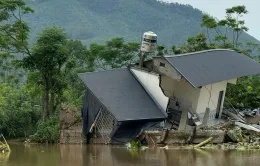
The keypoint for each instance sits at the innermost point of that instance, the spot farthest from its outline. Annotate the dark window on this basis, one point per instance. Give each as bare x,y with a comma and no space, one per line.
162,64
220,99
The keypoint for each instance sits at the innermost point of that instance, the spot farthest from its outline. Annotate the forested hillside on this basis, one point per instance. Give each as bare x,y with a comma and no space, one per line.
99,20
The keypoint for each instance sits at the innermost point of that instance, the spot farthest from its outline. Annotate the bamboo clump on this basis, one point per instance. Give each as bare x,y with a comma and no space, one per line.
4,147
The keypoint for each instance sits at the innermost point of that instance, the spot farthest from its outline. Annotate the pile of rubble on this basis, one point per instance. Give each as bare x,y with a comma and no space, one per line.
242,130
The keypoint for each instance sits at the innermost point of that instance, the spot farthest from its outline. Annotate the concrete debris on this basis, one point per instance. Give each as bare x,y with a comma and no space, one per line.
251,113
248,127
235,134
233,115
244,118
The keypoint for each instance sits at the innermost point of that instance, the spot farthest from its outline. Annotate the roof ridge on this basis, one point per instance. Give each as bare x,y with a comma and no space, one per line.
108,70
197,52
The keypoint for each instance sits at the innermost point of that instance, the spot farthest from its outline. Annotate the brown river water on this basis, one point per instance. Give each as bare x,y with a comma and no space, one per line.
87,155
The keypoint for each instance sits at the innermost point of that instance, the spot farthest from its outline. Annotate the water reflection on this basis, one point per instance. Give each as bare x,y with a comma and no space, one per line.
81,155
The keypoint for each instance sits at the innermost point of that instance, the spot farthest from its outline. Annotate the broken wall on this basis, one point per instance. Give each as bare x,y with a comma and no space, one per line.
180,89
163,67
209,96
151,84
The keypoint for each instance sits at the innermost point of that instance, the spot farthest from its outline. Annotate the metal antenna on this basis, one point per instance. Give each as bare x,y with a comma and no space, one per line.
141,54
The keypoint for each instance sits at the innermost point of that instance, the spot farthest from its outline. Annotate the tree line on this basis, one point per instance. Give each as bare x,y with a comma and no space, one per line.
36,78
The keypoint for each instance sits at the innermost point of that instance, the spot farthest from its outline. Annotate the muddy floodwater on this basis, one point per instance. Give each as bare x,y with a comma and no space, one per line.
86,155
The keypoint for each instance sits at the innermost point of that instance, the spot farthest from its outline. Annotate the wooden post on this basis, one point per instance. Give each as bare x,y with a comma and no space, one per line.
183,121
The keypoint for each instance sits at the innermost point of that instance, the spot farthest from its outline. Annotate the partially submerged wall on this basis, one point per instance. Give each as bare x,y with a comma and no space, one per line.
176,137
70,125
72,135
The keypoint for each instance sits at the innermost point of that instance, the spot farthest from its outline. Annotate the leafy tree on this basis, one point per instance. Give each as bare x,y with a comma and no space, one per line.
246,93
14,34
79,53
232,22
197,43
50,58
251,48
115,53
14,31
82,62
19,112
161,50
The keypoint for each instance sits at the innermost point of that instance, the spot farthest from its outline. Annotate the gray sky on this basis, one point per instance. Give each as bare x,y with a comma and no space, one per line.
217,8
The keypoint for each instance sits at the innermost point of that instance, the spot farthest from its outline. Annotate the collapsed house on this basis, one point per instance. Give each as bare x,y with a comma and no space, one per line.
117,107
168,92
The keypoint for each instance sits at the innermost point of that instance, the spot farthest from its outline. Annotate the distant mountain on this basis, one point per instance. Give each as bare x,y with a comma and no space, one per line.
99,20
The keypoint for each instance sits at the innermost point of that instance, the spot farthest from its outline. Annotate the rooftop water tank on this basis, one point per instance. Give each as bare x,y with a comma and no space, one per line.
149,42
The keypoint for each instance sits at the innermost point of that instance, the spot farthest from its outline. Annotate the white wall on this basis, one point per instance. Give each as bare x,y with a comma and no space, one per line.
199,98
151,83
209,95
167,70
180,89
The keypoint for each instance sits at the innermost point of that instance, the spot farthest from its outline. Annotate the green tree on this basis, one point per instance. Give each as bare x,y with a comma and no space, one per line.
232,23
115,53
19,112
14,31
246,93
14,34
197,43
79,53
161,50
50,58
82,62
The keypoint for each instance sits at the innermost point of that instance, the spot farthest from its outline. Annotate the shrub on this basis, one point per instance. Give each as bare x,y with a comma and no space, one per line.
19,113
47,131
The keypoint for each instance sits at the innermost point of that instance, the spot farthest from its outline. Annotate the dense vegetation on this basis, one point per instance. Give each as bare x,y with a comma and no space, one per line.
37,78
100,20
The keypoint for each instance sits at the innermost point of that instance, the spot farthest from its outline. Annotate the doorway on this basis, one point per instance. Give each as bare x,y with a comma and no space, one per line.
220,100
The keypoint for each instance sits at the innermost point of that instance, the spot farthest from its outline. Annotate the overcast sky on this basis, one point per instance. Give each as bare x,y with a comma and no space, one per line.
217,8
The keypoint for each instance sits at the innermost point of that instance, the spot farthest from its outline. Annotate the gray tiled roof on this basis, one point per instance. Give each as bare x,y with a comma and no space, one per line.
122,94
211,66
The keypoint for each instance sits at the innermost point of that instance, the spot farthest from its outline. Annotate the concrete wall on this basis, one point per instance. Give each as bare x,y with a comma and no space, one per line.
209,95
151,83
199,98
166,70
180,89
